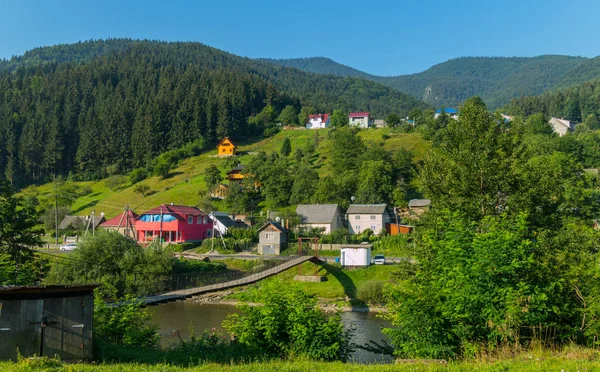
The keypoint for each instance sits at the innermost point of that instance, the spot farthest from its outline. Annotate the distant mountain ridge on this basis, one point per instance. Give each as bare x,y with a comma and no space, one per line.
496,79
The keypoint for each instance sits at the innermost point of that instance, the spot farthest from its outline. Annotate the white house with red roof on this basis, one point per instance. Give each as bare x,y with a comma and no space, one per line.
360,119
174,224
318,121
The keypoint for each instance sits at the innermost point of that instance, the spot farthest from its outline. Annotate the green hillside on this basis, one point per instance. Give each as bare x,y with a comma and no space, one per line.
90,109
495,79
188,178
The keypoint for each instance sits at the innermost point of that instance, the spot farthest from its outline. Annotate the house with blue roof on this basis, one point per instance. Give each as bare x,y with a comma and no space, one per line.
453,113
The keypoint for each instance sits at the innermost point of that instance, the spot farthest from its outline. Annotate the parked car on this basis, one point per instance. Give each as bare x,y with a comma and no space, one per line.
68,247
379,259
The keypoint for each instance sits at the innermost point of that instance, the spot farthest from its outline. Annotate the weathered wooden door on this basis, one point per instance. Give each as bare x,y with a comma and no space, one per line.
19,328
64,334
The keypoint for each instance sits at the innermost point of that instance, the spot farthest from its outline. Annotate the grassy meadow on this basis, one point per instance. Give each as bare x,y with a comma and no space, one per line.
571,359
185,180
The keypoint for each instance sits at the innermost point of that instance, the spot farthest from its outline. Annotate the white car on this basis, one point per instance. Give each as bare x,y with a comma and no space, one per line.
379,259
68,247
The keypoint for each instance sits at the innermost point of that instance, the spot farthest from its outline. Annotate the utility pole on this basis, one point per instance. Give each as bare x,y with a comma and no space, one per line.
161,222
93,225
55,210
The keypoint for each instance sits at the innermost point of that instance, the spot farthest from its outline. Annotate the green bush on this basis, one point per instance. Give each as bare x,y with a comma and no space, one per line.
138,175
371,292
289,324
118,263
126,324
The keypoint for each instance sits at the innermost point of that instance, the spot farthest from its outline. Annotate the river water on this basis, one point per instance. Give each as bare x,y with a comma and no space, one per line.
175,319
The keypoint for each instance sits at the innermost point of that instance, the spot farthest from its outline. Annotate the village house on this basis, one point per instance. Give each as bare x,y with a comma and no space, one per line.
418,206
81,223
123,223
320,216
379,123
453,113
226,148
361,217
318,121
272,237
220,192
360,119
236,174
222,223
561,126
176,223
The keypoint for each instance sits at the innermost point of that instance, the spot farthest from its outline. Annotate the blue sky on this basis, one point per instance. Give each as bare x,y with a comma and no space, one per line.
379,37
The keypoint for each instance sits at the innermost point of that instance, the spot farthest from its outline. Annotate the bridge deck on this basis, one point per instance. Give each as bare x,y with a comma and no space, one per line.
185,293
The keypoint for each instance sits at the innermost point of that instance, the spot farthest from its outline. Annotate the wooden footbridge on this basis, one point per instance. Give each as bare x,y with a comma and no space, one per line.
182,294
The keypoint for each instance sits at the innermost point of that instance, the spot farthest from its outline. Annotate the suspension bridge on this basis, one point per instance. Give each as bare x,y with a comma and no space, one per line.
182,294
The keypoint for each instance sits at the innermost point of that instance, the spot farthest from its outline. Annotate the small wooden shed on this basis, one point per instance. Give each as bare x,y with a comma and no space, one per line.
272,236
47,321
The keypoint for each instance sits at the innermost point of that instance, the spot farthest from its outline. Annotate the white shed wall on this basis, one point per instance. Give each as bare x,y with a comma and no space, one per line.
355,256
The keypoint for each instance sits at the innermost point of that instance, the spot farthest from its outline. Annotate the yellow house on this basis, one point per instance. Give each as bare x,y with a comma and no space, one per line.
226,147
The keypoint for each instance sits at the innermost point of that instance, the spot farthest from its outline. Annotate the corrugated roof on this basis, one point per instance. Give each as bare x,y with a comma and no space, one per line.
226,221
316,213
358,114
447,110
69,221
114,222
367,209
276,225
418,203
178,211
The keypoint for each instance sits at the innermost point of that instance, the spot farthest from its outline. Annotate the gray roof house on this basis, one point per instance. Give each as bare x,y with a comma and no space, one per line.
368,216
223,222
80,222
272,237
418,206
320,216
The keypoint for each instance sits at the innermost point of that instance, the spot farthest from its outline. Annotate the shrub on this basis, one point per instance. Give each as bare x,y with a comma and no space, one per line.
289,324
126,324
371,292
137,175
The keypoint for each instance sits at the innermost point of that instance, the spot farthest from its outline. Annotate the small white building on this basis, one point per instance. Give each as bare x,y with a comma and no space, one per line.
360,119
318,121
355,255
379,123
222,223
561,126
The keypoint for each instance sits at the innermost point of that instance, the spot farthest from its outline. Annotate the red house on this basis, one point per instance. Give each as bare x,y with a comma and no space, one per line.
178,224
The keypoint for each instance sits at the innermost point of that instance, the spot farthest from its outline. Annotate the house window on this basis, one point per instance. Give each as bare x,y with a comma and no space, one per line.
357,217
269,236
199,220
205,219
373,217
190,220
357,228
373,228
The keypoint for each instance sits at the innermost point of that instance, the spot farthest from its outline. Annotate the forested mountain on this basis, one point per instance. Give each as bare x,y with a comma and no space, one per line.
575,103
320,65
495,79
99,107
